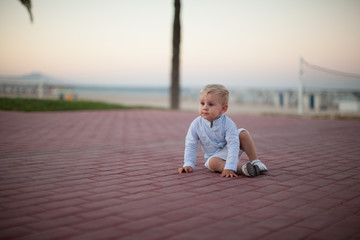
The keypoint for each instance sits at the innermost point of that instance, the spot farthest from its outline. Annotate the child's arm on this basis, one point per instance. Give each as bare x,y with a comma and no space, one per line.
233,145
191,144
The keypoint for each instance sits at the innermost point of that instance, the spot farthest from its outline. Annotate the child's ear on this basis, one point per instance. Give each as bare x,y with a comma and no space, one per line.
224,108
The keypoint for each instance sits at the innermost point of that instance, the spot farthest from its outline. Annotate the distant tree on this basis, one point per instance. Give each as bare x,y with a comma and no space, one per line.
27,4
175,82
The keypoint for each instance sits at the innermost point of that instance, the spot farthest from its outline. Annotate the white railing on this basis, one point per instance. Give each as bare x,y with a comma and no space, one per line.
29,87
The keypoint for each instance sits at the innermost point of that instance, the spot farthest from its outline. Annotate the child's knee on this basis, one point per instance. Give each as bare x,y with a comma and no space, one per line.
211,164
244,135
215,164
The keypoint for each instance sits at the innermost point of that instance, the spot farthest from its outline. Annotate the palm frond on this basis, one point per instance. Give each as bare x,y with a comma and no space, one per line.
27,4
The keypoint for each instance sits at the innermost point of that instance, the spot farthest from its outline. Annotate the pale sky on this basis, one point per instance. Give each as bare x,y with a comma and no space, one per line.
128,42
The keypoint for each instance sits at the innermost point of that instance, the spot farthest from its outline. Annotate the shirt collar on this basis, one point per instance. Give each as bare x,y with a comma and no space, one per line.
216,122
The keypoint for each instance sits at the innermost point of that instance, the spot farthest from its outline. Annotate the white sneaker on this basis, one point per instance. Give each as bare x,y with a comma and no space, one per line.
249,170
261,165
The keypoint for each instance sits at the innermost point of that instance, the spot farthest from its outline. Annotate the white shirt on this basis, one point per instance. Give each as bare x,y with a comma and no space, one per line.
213,140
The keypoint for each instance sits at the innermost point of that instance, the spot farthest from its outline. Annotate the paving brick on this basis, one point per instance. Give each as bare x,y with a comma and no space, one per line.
59,212
303,212
103,203
26,202
246,232
88,215
326,203
251,195
188,224
320,182
68,195
266,212
199,233
341,211
139,189
334,232
143,212
150,234
291,232
185,213
143,224
62,204
54,233
98,224
138,196
19,212
313,195
112,232
334,188
17,221
354,202
179,195
272,189
345,194
276,223
291,203
14,233
281,195
173,189
40,225
318,222
350,222
182,203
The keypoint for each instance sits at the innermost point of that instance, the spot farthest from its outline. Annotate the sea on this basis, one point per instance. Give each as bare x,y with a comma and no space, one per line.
133,91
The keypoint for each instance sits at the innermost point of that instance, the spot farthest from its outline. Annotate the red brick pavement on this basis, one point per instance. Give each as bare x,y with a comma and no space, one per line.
112,175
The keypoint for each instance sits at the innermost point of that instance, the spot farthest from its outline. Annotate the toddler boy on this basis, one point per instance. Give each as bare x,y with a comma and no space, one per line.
219,137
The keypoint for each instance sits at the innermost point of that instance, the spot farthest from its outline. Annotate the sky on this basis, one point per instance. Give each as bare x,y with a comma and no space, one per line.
238,43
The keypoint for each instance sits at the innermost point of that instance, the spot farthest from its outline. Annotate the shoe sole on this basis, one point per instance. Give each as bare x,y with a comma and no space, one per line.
257,170
251,170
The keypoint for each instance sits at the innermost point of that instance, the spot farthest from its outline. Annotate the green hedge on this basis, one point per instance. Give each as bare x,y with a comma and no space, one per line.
40,105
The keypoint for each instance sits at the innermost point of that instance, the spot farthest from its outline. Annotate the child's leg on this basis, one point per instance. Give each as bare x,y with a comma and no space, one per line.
247,145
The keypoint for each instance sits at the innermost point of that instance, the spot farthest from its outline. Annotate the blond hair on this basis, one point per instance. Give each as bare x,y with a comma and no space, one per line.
217,89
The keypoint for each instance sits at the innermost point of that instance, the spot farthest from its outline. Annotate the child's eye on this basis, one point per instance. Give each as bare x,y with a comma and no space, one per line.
211,104
202,103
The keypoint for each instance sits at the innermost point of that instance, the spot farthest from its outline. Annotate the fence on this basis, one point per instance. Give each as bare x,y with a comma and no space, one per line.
34,89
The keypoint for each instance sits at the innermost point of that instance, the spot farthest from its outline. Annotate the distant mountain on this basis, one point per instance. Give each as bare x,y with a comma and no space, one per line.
32,77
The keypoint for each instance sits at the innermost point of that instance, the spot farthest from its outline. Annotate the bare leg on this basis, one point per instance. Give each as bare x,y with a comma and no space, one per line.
247,145
217,164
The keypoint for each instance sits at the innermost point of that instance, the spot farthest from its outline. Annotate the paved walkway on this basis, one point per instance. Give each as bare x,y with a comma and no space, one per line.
113,175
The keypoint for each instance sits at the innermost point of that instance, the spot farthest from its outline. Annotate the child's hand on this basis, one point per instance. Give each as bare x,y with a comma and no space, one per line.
185,169
228,173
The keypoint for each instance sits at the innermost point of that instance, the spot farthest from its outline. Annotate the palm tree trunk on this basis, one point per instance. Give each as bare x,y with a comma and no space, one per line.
175,82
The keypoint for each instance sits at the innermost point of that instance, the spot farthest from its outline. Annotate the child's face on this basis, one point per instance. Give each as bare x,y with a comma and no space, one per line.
210,107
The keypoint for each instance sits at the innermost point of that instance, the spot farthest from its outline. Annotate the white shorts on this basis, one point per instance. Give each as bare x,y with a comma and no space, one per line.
224,152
